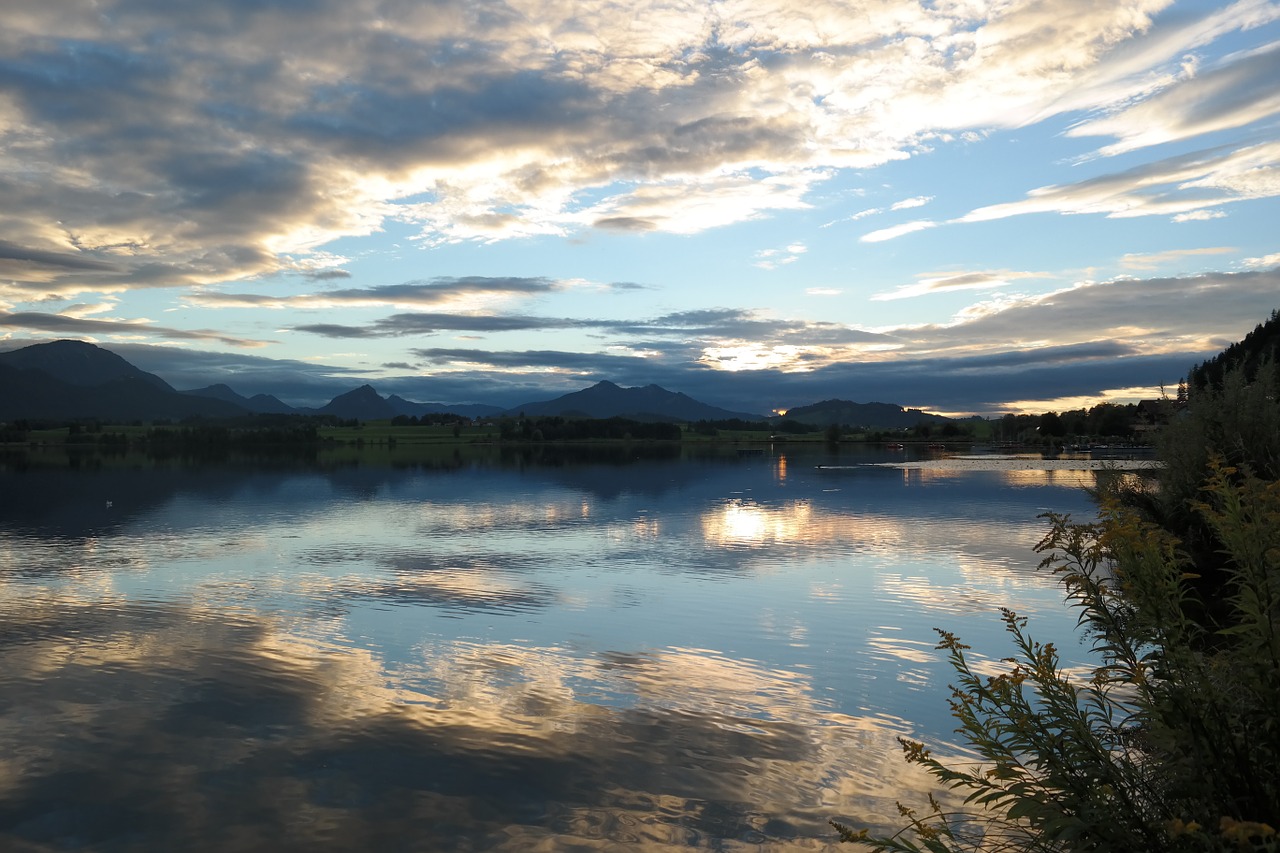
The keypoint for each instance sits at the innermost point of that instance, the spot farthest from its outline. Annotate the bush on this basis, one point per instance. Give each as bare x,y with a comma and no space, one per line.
1172,744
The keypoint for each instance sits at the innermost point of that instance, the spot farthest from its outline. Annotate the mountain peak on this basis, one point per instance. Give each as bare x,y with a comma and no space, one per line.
362,403
606,400
78,363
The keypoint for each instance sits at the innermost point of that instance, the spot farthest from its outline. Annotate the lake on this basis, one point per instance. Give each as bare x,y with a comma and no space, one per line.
637,648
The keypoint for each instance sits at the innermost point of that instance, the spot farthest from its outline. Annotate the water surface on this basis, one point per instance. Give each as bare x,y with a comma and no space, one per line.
640,650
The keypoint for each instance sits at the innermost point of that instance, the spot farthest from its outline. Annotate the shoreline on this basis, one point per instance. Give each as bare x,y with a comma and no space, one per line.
980,463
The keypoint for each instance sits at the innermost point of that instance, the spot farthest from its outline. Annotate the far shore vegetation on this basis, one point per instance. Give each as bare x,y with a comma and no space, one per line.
1106,423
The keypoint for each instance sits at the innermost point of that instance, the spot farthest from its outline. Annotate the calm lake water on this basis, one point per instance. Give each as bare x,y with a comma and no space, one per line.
636,650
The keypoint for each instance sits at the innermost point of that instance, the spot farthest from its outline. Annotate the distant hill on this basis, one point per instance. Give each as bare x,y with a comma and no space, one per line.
862,415
263,404
650,403
470,410
363,404
35,394
78,363
74,379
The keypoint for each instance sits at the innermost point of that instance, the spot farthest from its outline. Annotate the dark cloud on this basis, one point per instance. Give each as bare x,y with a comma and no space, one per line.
325,275
399,325
433,292
708,325
64,260
77,325
1150,310
625,223
333,330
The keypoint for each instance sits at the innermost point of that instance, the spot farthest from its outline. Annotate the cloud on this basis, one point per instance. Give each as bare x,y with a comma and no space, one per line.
771,259
76,324
1176,185
1200,216
1076,341
1239,92
1190,314
424,323
908,203
1271,260
950,282
1135,261
467,291
224,151
895,231
721,325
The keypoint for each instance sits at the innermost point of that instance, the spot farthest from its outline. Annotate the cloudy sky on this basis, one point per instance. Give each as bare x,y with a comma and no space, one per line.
961,205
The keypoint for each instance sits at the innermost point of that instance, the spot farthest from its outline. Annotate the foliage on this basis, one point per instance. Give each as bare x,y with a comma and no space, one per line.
556,428
1258,350
1237,418
1173,742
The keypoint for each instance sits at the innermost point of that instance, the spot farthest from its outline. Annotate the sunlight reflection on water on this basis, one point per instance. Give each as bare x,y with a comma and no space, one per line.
687,653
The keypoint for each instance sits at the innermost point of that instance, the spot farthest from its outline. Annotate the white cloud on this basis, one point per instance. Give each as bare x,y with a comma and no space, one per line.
894,231
1156,260
1176,185
1263,262
1240,91
907,203
1200,216
771,259
950,282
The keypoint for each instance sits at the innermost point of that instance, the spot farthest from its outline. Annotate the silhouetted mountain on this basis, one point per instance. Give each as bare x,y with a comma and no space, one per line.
35,394
471,410
74,379
259,403
650,403
364,404
863,415
78,363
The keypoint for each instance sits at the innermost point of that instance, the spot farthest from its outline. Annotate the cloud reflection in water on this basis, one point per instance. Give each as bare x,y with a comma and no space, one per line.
712,656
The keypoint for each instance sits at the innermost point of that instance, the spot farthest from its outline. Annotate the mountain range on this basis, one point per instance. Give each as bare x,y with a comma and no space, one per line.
862,415
69,379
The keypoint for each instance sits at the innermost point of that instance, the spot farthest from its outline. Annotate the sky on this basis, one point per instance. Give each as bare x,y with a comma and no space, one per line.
956,205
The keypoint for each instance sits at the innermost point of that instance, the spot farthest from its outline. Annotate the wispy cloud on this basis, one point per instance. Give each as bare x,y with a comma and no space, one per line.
74,324
951,282
465,292
908,203
1159,259
1200,216
1239,92
771,259
1176,185
895,231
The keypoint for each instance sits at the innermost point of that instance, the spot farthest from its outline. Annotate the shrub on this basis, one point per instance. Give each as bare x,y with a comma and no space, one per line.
1172,744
